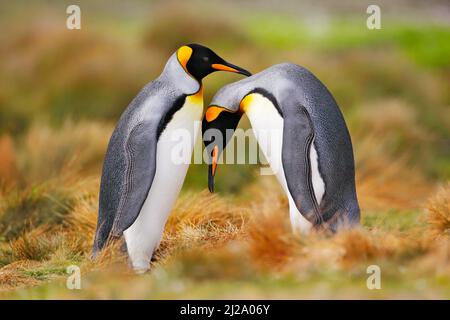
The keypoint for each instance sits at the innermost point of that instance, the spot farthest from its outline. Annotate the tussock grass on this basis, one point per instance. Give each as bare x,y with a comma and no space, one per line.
202,220
35,245
13,277
271,241
438,217
209,238
69,148
24,210
218,238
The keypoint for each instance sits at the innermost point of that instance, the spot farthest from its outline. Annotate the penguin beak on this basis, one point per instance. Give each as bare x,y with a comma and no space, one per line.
216,123
212,168
225,66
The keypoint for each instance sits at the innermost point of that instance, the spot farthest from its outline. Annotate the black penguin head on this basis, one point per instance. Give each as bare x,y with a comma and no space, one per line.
218,127
200,61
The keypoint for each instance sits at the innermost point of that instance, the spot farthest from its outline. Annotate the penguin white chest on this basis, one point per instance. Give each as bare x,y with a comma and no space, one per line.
267,125
173,155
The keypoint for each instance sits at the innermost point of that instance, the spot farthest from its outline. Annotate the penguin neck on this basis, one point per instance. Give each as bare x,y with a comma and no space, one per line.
174,73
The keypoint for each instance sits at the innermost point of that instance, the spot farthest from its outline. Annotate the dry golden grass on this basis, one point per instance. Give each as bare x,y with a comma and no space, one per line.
207,237
271,241
273,245
387,178
69,149
438,217
437,260
201,220
35,245
192,225
12,276
360,245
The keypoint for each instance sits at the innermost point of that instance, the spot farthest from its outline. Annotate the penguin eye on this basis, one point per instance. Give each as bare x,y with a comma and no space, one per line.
206,59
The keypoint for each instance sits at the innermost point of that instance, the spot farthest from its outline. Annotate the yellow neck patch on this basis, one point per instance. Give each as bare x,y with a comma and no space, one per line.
196,98
245,103
214,111
183,55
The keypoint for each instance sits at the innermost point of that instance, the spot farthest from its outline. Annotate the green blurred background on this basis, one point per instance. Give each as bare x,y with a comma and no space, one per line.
392,84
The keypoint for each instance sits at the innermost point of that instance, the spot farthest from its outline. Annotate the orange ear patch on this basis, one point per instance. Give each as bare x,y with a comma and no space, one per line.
213,112
183,55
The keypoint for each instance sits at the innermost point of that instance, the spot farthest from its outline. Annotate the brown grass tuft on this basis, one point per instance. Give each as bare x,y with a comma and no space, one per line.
203,220
111,255
438,216
357,246
380,178
270,238
437,260
82,221
360,245
69,150
37,245
12,276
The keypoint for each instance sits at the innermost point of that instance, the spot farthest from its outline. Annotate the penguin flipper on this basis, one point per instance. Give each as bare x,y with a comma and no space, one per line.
298,135
139,173
126,180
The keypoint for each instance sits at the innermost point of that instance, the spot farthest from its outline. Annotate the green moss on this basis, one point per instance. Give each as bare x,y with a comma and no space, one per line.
393,220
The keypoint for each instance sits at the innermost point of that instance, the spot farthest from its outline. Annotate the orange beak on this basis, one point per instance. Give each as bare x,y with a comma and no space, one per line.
223,67
230,68
215,154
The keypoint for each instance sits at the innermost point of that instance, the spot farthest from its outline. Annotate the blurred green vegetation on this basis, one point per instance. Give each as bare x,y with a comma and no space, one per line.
51,74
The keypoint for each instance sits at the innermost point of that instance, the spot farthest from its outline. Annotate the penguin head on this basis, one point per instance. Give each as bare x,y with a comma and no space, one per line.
200,61
218,127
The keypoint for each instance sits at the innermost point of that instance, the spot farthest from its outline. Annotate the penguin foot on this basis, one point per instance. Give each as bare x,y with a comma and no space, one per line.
140,267
140,271
139,262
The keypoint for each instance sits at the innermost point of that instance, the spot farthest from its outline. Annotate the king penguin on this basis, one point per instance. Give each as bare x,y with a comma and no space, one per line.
310,149
140,182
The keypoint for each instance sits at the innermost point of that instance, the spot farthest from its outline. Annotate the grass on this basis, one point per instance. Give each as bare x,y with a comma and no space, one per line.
64,92
230,250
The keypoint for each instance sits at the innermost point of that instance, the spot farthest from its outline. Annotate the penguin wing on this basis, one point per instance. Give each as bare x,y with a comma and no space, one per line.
128,172
140,168
298,135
